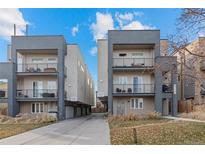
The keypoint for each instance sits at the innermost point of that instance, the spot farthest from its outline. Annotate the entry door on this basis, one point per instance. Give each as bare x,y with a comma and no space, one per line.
137,84
37,89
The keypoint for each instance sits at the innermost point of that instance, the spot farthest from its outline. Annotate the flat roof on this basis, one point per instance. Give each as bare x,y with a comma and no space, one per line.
136,30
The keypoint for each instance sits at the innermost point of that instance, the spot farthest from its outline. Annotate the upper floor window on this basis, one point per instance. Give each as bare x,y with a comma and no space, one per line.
37,60
52,60
122,80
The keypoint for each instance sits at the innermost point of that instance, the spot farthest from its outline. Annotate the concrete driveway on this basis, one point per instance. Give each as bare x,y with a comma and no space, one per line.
90,130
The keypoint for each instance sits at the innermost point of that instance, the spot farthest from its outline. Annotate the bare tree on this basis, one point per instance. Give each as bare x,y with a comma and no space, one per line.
190,25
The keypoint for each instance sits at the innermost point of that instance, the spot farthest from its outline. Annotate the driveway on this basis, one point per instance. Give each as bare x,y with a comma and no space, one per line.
89,130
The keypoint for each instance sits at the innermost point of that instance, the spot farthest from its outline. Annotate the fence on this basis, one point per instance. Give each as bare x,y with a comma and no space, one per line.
185,106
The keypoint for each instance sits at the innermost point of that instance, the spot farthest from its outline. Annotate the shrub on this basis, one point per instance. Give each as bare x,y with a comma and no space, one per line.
3,109
153,115
133,117
28,119
128,117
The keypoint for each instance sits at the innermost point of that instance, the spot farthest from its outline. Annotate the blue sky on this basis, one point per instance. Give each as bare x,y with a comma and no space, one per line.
84,26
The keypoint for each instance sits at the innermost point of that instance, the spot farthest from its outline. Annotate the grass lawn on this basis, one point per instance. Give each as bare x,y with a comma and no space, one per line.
156,131
7,130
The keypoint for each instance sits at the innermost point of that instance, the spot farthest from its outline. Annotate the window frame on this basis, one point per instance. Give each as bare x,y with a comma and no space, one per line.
37,107
138,102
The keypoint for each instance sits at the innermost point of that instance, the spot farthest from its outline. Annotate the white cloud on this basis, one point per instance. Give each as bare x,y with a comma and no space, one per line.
75,30
9,17
127,21
104,22
127,17
93,51
135,25
124,21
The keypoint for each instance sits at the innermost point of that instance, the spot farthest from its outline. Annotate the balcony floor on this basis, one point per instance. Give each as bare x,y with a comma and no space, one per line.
133,94
37,99
37,73
132,69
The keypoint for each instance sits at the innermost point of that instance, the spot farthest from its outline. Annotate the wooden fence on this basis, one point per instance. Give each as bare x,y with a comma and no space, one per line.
185,106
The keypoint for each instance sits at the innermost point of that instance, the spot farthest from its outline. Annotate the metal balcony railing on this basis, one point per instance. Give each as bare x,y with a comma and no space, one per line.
3,93
133,88
37,93
133,62
37,68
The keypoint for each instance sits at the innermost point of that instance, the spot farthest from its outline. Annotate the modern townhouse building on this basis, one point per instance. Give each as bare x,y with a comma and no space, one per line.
45,74
191,71
135,75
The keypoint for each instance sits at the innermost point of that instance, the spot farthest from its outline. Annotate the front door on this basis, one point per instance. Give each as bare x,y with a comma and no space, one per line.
37,89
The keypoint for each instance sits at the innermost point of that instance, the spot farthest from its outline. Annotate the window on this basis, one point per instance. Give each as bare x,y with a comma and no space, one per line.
122,80
37,60
52,60
88,81
132,103
37,107
136,103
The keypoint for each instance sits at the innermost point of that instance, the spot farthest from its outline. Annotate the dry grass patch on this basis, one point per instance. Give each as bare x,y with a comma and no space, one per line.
11,126
7,130
155,131
171,133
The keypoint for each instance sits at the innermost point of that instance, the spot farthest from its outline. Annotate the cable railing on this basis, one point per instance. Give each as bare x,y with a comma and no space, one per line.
37,68
36,93
133,62
133,88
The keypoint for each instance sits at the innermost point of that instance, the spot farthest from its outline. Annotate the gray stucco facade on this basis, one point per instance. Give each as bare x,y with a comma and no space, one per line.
42,43
38,72
166,63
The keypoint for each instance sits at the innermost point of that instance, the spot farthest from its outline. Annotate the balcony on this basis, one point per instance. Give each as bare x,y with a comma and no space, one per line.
3,94
42,94
41,68
133,63
133,89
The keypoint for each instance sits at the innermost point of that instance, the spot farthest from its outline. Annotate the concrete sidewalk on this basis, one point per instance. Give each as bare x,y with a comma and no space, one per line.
182,119
90,130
